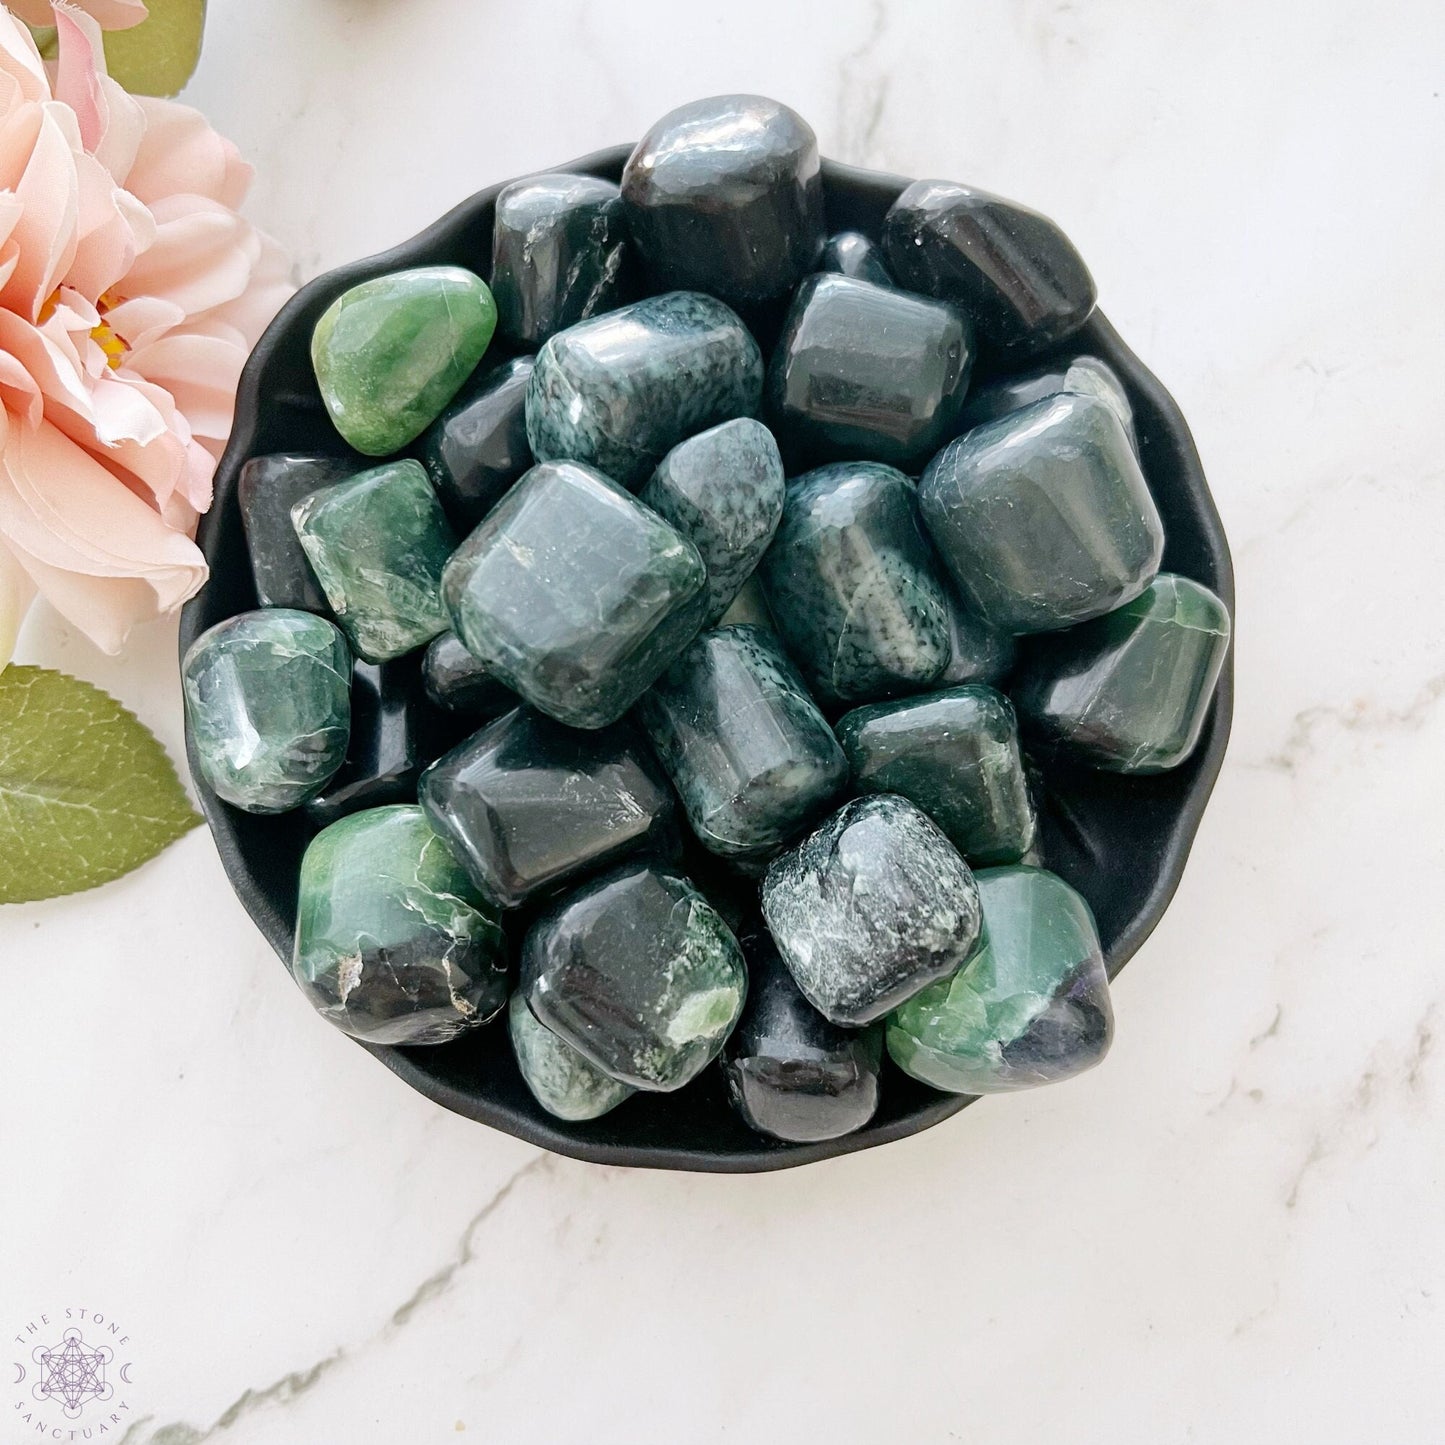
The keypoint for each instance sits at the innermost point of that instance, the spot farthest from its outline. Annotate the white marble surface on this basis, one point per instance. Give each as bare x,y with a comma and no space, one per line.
1231,1232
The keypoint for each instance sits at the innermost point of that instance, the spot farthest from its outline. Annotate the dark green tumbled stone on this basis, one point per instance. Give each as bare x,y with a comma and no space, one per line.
559,254
850,582
1012,270
478,447
864,371
851,253
268,703
461,683
871,907
619,391
562,1081
575,594
1031,1007
393,945
639,973
390,353
1086,374
1129,692
750,755
377,544
1043,516
723,490
791,1073
527,803
976,651
267,490
725,195
956,755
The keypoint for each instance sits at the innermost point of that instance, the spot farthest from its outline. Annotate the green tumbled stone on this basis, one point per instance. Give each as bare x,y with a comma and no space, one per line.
956,755
1030,1007
391,352
393,943
378,544
269,707
575,594
1129,692
563,1082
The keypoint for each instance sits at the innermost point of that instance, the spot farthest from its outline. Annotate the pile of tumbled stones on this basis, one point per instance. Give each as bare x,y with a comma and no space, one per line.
729,773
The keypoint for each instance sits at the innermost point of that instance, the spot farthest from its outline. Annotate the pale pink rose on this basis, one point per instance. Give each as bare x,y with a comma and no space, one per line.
109,14
130,294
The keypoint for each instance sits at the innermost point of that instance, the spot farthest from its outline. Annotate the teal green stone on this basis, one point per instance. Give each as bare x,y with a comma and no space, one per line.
574,594
1129,692
562,1081
393,943
1030,1007
378,544
956,755
390,353
268,706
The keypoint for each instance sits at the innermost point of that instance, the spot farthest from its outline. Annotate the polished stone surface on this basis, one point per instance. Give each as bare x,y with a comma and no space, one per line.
725,195
575,594
851,253
868,372
956,755
459,682
1043,516
562,1081
851,584
1012,270
559,254
870,907
392,943
723,490
527,803
1031,1007
749,753
268,705
392,734
1129,692
1086,374
478,446
976,651
638,972
619,391
390,353
791,1073
268,488
378,543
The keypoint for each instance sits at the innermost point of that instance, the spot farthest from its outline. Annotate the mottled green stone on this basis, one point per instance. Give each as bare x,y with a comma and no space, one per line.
956,755
564,1083
378,544
575,594
268,703
393,943
1129,692
391,352
1030,1007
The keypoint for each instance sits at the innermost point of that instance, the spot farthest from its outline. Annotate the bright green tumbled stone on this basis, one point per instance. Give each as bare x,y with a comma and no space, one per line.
956,755
268,701
1030,1007
377,544
393,943
390,353
561,1080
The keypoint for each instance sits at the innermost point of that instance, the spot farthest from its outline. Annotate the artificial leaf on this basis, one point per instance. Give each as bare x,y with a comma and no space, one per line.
47,40
157,56
86,792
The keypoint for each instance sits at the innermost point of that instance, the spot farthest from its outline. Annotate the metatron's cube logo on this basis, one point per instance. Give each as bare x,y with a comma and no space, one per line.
71,1373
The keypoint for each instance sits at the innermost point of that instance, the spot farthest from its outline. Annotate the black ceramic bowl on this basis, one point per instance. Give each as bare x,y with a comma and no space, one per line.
1122,842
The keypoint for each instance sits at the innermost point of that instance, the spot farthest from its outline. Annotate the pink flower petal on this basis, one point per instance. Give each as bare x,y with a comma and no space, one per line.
202,255
182,155
16,593
201,373
22,72
49,189
111,14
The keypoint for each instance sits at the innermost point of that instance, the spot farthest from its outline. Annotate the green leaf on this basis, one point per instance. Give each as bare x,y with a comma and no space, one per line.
86,792
157,56
46,40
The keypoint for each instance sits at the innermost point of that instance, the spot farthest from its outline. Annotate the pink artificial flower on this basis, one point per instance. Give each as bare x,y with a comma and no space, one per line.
131,293
108,14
